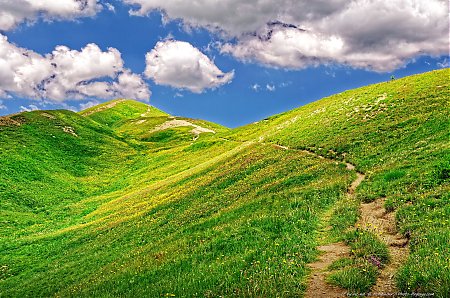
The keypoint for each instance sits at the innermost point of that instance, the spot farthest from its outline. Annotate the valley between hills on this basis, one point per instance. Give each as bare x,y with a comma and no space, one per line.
349,194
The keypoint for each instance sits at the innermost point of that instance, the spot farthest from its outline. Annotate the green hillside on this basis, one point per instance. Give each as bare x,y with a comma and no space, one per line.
125,200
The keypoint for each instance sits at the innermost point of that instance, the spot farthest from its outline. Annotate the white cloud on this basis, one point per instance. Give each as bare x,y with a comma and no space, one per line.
270,88
380,35
29,108
255,87
89,104
231,16
2,106
445,63
131,85
67,74
21,70
180,65
76,72
286,47
15,12
110,7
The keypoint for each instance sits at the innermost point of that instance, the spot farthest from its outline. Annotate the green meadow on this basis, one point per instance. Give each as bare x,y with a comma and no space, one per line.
124,200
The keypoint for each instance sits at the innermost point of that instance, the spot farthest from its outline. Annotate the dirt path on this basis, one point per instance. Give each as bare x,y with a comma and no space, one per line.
196,131
146,113
104,107
359,178
318,287
7,121
375,217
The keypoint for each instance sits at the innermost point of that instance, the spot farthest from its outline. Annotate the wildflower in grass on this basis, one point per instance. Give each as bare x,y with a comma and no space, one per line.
375,261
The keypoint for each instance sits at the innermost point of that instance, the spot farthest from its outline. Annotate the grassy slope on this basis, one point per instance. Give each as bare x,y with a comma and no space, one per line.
398,134
134,120
45,168
112,212
242,214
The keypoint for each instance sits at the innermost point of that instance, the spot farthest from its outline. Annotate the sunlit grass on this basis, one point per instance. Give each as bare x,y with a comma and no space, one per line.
121,210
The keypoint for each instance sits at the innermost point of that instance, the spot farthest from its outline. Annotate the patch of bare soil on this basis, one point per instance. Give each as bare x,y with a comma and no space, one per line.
47,115
197,129
7,121
375,217
359,178
105,107
145,114
318,287
70,130
280,147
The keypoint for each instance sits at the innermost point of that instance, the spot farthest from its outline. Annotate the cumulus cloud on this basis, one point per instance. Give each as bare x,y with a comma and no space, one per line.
67,74
286,47
28,108
110,7
379,35
89,104
131,85
232,16
180,65
15,12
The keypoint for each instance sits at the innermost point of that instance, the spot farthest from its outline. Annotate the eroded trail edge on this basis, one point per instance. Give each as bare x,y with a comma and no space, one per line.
375,217
317,286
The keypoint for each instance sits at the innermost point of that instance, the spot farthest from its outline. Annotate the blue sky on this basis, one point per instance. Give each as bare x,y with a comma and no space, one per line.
258,88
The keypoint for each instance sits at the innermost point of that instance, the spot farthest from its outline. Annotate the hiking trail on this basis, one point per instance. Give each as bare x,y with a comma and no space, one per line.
374,215
317,285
